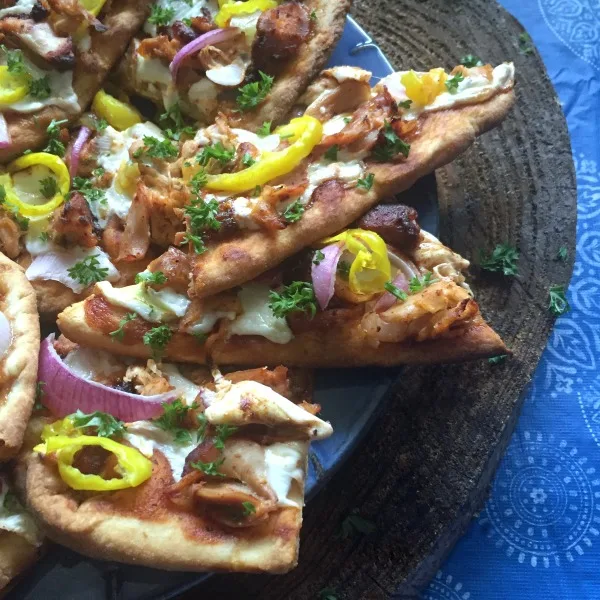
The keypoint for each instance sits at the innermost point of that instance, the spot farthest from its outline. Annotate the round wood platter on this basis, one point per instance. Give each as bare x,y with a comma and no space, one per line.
425,467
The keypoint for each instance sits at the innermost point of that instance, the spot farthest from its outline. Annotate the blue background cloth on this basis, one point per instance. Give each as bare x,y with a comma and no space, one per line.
539,533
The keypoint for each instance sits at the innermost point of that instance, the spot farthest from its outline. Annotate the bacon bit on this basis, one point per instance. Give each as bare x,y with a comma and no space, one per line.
135,240
74,224
64,345
10,234
362,132
159,47
203,24
176,267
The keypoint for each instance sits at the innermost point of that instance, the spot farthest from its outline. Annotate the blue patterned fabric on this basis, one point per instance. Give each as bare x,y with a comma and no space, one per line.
539,533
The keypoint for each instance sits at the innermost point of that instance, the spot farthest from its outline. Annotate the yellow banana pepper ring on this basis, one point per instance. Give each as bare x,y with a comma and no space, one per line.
305,132
370,269
13,86
134,467
424,89
63,179
119,115
232,9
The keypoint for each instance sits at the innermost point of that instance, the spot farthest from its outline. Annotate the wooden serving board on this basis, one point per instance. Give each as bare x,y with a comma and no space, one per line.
425,467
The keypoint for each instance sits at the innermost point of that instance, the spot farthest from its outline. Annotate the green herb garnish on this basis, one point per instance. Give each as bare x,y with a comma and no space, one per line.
119,333
150,278
157,339
106,425
299,296
209,468
366,183
391,146
88,271
161,16
294,212
452,83
48,187
559,305
332,153
470,60
318,257
252,94
395,291
504,258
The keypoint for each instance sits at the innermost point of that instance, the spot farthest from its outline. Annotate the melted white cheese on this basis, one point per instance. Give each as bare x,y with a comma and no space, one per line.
230,75
151,305
345,73
35,243
92,364
152,70
21,7
242,212
285,463
186,388
182,10
16,519
147,437
54,265
320,172
334,125
208,320
258,318
251,402
203,95
247,23
42,39
471,89
62,93
6,338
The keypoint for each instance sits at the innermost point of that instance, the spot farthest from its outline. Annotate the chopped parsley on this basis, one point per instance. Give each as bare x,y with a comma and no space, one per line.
119,333
147,277
55,146
200,337
503,258
318,257
40,88
294,212
313,15
347,120
354,524
452,83
252,94
202,215
44,236
39,394
196,241
470,60
332,153
11,503
155,148
87,189
48,187
217,152
391,145
173,123
257,191
562,254
157,339
14,61
525,46
416,285
559,305
299,296
328,593
209,468
106,425
247,159
161,16
101,124
22,222
343,268
395,291
88,271
173,420
366,183
198,181
2,194
98,172
405,104
222,433
265,129
248,508
495,360
187,21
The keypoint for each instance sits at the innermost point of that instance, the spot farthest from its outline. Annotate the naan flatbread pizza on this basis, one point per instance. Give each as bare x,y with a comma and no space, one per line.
215,469
382,293
19,348
20,537
250,60
54,57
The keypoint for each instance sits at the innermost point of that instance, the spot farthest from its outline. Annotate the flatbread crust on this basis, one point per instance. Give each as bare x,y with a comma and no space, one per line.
16,554
444,135
19,366
339,345
123,18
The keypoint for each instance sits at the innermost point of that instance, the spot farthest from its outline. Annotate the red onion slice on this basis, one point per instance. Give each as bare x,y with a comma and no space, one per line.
388,299
5,334
323,274
5,140
65,392
80,140
207,39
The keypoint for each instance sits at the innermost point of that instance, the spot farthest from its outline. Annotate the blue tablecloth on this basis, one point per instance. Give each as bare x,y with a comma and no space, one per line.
539,533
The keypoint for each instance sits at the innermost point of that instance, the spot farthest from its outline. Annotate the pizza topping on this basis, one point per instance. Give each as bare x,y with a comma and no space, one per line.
132,468
14,518
324,272
231,9
5,139
118,114
78,144
74,223
5,334
72,384
395,223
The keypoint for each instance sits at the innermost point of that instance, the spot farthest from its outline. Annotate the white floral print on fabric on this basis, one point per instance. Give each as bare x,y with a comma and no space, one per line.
443,587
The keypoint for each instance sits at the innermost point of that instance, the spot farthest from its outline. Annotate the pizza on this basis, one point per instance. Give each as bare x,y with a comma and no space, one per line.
138,190
381,293
250,60
211,464
20,537
19,347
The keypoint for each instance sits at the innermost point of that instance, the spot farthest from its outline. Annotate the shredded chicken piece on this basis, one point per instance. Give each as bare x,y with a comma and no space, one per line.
148,380
74,223
135,240
176,267
160,47
10,234
77,13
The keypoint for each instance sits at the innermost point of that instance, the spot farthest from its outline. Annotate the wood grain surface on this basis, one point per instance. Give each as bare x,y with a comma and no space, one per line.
425,467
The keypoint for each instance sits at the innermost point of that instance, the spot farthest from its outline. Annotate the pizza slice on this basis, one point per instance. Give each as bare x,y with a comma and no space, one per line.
20,538
19,347
54,57
212,465
381,293
251,60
